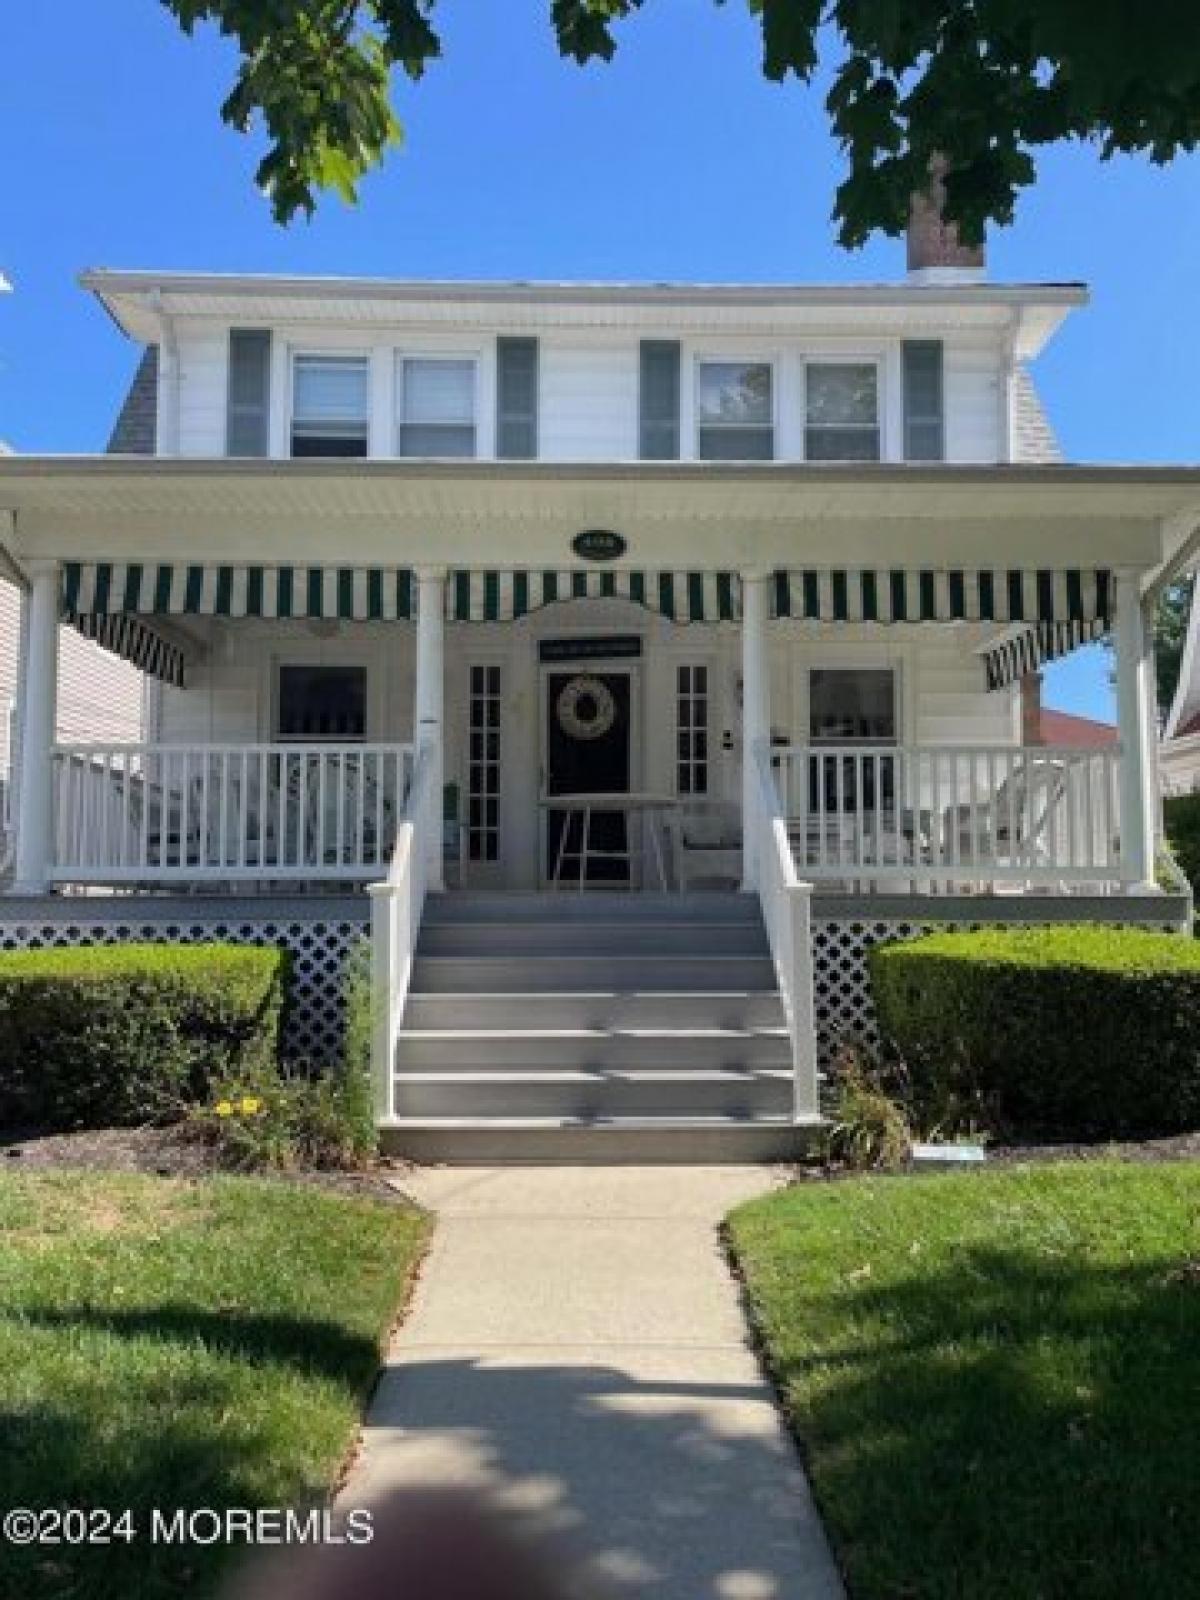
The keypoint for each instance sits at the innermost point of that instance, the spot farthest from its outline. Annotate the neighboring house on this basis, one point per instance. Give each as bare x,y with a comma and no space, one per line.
100,699
1179,751
757,568
1070,732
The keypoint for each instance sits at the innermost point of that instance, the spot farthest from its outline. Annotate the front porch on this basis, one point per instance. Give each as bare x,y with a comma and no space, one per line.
840,741
861,821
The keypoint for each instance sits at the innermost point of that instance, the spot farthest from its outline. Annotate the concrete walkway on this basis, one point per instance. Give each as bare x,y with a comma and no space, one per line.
576,1349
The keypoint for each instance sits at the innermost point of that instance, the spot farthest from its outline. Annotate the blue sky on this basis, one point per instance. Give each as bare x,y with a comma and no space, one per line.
676,161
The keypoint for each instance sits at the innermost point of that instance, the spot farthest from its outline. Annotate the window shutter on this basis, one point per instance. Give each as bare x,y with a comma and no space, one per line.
517,399
658,422
247,431
924,405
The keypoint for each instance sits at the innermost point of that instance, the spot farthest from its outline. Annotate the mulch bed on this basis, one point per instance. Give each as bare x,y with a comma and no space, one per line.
172,1152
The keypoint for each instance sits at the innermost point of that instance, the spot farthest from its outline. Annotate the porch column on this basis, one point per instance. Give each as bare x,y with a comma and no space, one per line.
39,672
427,711
1134,692
756,711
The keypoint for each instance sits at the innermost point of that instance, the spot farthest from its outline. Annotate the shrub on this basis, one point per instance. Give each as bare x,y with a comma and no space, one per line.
868,1126
121,1034
1181,816
1054,1032
266,1118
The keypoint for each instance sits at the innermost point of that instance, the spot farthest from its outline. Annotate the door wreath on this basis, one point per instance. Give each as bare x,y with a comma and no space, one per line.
586,708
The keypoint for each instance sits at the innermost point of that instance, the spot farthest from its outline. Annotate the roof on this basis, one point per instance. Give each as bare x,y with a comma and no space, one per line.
135,431
1065,729
1034,439
139,300
1192,725
756,515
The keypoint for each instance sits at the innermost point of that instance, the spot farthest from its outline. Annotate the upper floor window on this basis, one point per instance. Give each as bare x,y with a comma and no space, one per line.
436,405
841,411
735,411
329,406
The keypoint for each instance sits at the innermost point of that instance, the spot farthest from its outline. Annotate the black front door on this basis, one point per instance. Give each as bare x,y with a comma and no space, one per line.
587,752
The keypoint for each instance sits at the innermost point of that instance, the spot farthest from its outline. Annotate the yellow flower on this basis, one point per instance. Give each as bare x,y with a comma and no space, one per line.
251,1105
223,1108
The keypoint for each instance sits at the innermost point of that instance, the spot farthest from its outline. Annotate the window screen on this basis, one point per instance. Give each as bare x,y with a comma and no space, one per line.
437,407
841,411
735,411
329,406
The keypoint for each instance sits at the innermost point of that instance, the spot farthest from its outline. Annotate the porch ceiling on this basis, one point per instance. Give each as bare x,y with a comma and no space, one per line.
681,514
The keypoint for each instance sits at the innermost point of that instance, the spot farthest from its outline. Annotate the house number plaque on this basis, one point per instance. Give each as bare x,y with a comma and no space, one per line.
598,544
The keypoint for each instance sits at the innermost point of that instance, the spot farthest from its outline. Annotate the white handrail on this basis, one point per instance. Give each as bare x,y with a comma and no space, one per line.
396,907
191,813
952,814
787,912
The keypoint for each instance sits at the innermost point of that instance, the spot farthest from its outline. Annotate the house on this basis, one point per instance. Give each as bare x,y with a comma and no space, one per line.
101,696
493,597
1179,750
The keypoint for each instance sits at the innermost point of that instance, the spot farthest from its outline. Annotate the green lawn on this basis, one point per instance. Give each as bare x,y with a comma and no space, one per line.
181,1344
995,1376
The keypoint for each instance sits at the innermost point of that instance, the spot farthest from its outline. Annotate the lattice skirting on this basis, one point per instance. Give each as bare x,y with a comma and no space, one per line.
845,1010
315,1025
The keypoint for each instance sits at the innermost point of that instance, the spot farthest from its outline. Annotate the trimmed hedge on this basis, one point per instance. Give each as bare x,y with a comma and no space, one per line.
115,1035
1047,1033
1181,816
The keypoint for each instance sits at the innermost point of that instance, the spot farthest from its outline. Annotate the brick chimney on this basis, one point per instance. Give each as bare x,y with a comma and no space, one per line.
935,253
1031,709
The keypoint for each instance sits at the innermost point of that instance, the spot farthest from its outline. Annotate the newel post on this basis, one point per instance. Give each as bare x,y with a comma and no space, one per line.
803,1018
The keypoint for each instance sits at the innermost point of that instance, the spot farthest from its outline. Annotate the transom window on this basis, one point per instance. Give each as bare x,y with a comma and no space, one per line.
329,406
735,411
436,406
318,702
841,411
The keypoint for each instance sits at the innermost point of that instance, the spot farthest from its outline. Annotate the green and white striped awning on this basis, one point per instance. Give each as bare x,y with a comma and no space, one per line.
901,594
108,600
681,596
354,594
136,641
1030,649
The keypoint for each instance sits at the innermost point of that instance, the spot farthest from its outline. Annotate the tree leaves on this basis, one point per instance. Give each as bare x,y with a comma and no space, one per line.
980,85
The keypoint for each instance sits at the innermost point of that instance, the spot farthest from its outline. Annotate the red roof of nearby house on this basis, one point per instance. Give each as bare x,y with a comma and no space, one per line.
1192,725
1062,728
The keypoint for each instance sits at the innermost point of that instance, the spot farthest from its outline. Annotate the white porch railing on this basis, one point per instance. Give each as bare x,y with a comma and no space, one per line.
396,907
191,814
987,814
787,913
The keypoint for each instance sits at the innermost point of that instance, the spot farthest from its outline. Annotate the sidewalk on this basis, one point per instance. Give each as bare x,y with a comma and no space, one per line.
576,1348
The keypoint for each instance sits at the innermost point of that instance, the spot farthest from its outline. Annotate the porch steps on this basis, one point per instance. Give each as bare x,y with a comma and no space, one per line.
598,1027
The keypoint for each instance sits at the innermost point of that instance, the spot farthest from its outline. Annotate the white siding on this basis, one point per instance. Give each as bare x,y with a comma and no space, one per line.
203,378
974,402
230,693
100,697
588,399
589,403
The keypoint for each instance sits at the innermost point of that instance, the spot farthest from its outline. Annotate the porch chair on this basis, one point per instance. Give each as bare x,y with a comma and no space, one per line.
1009,826
705,838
